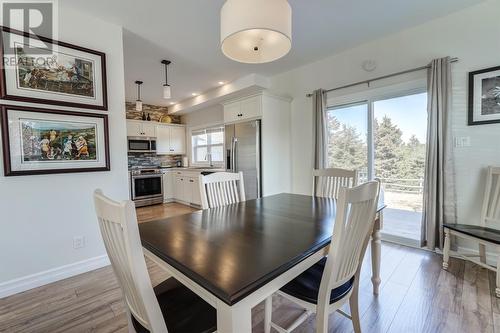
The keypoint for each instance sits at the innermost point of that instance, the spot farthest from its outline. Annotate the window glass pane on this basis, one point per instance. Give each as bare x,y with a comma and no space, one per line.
347,138
200,139
400,130
217,138
200,154
208,143
217,153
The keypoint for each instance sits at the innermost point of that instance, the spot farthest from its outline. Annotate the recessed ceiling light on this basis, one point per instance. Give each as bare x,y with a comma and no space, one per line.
221,83
172,103
194,94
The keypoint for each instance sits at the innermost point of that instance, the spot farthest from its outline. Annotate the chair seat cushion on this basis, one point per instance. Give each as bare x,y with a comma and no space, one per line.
306,285
183,310
486,234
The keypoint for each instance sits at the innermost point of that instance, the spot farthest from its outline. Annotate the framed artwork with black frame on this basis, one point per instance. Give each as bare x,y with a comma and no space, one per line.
484,96
41,70
46,141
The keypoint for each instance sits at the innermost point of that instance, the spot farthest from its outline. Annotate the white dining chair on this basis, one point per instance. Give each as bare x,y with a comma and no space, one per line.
170,306
326,286
221,189
485,233
328,182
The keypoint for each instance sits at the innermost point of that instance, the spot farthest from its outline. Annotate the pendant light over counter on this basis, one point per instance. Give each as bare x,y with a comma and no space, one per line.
256,31
138,102
167,91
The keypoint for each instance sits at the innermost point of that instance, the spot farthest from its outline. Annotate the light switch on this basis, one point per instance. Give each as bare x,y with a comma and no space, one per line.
462,141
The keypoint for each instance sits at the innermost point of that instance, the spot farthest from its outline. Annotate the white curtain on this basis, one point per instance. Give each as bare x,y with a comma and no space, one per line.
319,129
439,187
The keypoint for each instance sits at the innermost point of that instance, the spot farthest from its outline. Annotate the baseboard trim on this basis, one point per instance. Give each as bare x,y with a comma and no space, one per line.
28,282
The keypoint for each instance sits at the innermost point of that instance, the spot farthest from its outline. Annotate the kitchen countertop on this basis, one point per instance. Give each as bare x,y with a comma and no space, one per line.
188,169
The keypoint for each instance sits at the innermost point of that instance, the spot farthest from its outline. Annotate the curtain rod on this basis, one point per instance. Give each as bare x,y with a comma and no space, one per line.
452,60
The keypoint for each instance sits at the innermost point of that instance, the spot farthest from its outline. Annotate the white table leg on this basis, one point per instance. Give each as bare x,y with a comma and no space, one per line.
232,319
376,246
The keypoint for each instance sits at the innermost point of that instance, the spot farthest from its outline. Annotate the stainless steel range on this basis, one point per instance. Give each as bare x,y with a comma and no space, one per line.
146,187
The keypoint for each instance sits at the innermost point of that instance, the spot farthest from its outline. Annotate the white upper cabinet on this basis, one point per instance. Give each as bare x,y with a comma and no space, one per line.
134,128
178,139
170,140
139,128
149,129
248,108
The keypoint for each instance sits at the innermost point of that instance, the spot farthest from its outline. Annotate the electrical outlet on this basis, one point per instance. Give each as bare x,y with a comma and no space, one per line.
78,242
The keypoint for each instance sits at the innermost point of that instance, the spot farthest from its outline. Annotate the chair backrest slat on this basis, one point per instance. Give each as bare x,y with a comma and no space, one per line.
490,213
221,189
328,182
120,233
356,209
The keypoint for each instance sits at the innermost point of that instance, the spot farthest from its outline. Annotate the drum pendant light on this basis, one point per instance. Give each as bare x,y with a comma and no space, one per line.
138,102
167,91
256,31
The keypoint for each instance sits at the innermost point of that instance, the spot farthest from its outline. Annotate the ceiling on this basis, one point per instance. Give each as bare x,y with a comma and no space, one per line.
187,33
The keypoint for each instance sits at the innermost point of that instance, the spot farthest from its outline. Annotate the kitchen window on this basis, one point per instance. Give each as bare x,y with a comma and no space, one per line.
208,146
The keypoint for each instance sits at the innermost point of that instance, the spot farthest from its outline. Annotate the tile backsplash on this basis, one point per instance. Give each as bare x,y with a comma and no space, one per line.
151,160
154,111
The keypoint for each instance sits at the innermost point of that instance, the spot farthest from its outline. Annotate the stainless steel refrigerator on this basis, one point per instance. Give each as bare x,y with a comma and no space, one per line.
243,153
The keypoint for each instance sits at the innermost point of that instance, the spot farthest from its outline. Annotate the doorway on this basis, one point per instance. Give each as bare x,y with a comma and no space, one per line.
385,138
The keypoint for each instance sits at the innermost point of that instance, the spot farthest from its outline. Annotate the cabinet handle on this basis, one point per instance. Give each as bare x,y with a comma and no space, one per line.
191,181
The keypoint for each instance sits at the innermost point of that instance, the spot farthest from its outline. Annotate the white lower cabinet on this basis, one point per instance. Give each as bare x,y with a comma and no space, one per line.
186,188
194,188
168,187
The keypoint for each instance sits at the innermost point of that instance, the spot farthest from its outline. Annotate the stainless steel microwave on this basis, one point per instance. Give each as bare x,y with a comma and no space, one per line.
141,145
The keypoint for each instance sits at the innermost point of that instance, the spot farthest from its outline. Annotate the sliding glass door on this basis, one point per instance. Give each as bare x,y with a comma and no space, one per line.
385,138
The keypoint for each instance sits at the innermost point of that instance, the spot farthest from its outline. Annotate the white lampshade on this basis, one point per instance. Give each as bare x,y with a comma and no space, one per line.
167,91
138,105
256,31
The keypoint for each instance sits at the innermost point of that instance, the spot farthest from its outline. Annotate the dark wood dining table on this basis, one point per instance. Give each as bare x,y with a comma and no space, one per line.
237,255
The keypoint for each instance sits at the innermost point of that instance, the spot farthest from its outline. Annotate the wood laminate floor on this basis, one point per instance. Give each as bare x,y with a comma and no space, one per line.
416,296
150,213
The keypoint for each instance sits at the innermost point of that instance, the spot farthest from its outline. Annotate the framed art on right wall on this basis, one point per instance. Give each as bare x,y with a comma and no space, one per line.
484,96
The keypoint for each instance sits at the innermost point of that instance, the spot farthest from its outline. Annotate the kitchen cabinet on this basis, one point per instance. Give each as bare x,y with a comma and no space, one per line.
180,193
168,187
170,140
187,188
194,190
138,128
244,109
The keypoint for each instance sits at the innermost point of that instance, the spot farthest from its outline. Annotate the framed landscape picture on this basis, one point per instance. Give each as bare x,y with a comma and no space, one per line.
42,141
42,70
484,96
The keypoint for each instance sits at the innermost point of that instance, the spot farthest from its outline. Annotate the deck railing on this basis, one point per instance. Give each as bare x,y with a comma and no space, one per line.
399,185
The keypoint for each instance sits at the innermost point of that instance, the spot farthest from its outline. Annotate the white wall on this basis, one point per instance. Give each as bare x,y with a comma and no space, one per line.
276,170
207,116
40,215
472,35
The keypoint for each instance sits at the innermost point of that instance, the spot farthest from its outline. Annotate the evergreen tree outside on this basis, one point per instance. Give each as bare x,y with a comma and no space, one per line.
346,148
395,160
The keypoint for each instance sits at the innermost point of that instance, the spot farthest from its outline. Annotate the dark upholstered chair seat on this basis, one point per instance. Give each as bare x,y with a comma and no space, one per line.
486,234
306,285
183,310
